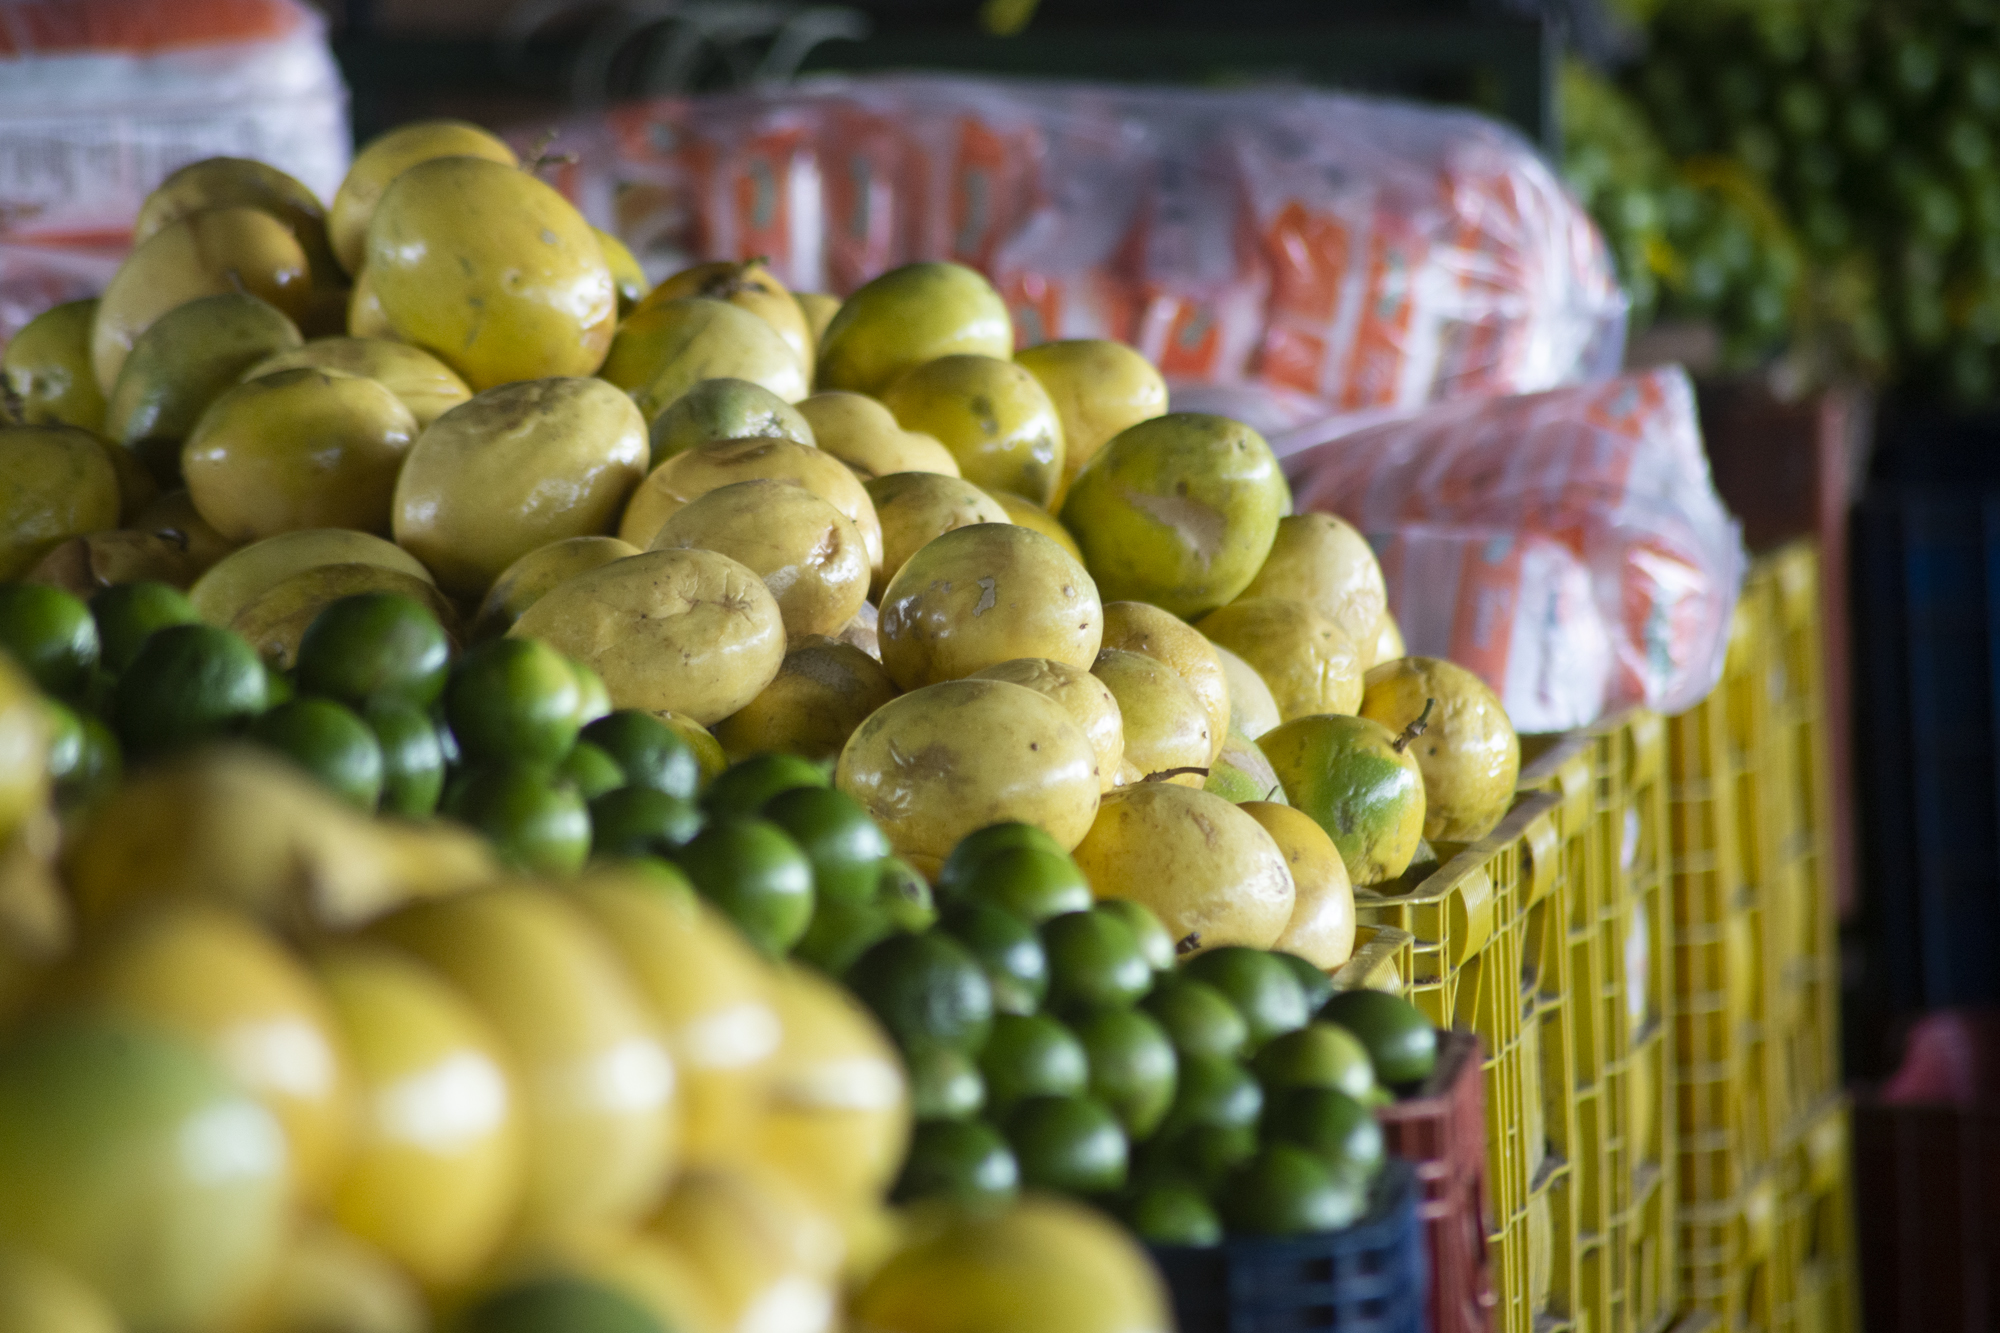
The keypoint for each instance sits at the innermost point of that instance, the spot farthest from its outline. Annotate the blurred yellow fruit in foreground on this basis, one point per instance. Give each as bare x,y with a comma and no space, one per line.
765,1250
1043,1265
38,1297
437,1161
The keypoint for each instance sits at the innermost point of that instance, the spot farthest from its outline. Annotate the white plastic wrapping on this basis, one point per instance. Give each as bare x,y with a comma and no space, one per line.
101,99
1494,516
1304,253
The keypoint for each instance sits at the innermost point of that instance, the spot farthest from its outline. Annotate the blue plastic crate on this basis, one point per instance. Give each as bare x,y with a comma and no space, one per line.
1927,635
1367,1278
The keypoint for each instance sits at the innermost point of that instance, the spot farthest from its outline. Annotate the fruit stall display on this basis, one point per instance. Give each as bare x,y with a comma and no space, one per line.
534,800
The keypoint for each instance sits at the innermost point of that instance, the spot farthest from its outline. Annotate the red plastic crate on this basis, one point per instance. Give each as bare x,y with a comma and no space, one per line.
1441,1131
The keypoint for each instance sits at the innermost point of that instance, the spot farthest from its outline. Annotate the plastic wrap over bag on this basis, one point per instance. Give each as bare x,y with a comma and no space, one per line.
1494,517
1314,254
101,99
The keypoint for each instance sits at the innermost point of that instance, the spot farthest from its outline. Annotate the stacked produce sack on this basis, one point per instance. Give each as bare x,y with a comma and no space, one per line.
464,751
99,99
1338,255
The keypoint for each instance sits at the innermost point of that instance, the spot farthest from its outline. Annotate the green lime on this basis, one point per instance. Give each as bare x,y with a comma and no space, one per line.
964,1160
945,1084
412,757
1200,1155
640,821
129,612
98,766
559,1303
1318,989
840,933
1072,1144
278,687
532,823
1133,1069
1198,1018
1154,941
1094,962
904,895
1401,1042
743,788
1318,1055
513,699
1032,1055
1172,1213
593,700
1287,1191
1010,951
375,644
655,873
1213,1090
976,846
51,635
927,990
1329,1124
755,874
1030,882
591,771
1263,989
327,740
837,836
454,756
66,741
188,683
651,753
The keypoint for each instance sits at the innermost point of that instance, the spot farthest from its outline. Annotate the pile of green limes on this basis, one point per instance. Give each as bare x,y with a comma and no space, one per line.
1055,1043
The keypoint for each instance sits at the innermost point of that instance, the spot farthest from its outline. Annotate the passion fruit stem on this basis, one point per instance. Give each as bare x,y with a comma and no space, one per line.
539,156
1415,729
725,285
1168,774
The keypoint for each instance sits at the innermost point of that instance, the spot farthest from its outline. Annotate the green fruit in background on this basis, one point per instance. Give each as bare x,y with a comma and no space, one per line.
1028,881
142,1168
1155,944
641,821
927,990
51,634
574,1304
1172,1214
188,683
534,825
945,1084
128,613
374,644
756,875
1315,984
1214,1091
1400,1041
1261,987
1032,1055
1133,1069
1068,1143
1201,1156
977,846
1008,948
904,896
1197,1018
513,699
1328,1123
590,770
650,753
1319,1055
837,836
744,788
964,1160
840,933
412,757
1095,962
1286,1191
328,741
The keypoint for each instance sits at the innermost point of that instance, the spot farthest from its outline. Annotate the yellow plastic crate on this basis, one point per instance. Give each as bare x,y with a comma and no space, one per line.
1380,961
1487,951
1816,1289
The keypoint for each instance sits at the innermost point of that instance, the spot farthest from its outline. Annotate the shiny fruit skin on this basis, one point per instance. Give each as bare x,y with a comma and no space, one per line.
1087,699
1322,561
60,485
940,762
1321,929
436,1167
1099,388
994,417
241,182
424,384
692,474
809,554
1365,792
513,469
1178,511
47,364
388,156
1469,753
908,316
204,254
491,271
298,449
1309,665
